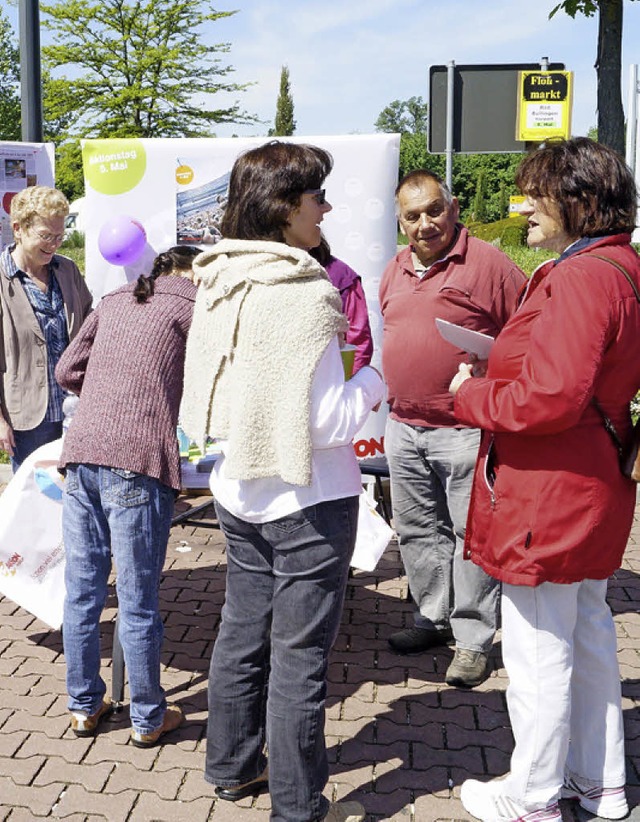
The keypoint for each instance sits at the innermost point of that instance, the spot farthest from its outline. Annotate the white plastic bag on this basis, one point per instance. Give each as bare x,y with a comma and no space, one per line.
373,535
31,550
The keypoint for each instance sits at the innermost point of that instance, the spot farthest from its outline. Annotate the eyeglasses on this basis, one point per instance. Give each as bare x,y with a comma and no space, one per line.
318,195
49,239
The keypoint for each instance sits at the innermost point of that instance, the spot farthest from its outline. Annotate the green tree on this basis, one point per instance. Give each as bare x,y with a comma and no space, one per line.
284,123
10,114
494,171
139,68
608,65
409,119
480,198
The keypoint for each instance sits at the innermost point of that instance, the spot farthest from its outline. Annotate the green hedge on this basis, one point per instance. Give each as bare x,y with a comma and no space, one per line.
511,231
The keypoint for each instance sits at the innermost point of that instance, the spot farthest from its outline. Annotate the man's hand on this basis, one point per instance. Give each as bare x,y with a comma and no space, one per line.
7,441
465,371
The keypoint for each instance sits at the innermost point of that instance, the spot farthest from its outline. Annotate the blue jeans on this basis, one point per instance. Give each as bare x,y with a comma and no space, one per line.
26,442
286,581
431,472
111,511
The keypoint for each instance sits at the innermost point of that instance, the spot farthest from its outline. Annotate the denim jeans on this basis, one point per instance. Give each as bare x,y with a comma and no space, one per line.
431,473
26,442
560,651
109,511
286,581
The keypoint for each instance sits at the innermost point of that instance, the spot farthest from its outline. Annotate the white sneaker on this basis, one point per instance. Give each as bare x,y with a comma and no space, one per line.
607,803
345,812
485,801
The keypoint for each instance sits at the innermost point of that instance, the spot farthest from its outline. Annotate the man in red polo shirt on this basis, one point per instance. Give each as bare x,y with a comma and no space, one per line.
448,274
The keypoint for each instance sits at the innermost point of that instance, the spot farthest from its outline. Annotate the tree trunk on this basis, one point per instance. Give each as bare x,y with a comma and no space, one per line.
609,67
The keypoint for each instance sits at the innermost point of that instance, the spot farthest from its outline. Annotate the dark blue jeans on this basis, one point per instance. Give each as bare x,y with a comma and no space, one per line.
26,442
286,581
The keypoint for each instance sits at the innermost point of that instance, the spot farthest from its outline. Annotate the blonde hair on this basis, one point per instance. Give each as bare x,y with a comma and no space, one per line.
37,201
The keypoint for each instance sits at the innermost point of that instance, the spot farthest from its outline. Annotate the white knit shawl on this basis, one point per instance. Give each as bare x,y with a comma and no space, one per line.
264,315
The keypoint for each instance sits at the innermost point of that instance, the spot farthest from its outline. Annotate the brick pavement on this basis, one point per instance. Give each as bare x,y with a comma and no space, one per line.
400,741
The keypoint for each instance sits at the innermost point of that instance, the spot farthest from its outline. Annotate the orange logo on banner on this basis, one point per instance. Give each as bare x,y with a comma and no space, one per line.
184,175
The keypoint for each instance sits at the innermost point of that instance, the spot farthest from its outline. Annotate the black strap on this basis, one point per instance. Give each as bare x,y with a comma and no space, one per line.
623,270
605,419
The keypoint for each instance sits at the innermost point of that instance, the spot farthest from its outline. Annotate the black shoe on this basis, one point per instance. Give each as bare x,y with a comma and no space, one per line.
253,788
416,640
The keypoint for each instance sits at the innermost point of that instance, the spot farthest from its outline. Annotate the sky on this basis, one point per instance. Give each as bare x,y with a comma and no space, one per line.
348,59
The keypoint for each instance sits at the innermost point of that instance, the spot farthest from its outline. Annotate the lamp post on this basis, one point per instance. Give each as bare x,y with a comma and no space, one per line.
30,74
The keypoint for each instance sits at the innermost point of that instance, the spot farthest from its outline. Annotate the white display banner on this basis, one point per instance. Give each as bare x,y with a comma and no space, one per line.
135,188
21,165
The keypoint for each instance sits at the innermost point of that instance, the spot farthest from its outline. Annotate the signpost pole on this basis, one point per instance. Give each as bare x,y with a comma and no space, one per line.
632,119
30,83
451,71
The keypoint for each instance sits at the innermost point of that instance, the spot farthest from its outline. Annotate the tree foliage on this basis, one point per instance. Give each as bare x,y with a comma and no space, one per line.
608,65
481,182
404,117
284,123
409,119
137,68
10,114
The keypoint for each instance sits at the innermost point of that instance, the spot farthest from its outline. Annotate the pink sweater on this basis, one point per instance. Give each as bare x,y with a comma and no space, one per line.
354,307
127,364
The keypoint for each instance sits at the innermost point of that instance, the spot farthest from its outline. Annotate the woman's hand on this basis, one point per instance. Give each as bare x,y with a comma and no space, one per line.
464,373
479,367
7,441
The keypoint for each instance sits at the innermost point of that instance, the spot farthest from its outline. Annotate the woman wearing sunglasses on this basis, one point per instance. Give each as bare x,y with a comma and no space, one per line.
43,302
264,375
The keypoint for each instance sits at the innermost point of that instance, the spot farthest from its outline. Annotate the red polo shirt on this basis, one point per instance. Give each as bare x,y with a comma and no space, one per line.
475,285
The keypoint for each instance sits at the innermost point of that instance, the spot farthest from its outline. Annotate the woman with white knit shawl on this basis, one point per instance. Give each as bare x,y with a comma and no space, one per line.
264,375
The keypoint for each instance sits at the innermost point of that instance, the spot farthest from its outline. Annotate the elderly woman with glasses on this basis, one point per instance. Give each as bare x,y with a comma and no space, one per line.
551,511
43,302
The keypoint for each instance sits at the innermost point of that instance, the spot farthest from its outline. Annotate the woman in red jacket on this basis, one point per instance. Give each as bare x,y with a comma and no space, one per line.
551,512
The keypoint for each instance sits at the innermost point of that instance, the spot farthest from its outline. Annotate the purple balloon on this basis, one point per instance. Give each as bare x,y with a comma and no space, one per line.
122,240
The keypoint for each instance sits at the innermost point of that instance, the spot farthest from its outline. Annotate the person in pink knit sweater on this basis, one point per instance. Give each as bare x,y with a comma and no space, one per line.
120,456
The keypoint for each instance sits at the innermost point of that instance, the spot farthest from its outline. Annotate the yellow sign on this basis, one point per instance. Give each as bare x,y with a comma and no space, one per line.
515,204
544,105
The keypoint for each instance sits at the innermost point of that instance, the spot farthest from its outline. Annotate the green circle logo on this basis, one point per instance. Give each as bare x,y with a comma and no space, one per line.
113,166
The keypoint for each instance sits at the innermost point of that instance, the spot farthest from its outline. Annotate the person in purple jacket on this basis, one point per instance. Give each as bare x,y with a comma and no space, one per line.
354,303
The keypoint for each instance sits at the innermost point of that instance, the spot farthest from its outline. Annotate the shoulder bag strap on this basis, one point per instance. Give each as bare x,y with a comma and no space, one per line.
605,419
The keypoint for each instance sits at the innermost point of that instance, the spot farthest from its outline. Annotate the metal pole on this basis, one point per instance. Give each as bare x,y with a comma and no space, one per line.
632,118
30,75
451,66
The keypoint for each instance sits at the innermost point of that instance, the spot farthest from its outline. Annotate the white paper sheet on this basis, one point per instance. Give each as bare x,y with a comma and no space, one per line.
473,342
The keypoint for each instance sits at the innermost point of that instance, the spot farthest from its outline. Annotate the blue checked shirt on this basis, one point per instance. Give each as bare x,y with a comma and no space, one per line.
49,311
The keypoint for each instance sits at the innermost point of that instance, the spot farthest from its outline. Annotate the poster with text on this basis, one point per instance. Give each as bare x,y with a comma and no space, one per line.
152,193
21,165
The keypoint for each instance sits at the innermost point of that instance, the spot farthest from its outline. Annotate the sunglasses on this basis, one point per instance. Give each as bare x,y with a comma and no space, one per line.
318,195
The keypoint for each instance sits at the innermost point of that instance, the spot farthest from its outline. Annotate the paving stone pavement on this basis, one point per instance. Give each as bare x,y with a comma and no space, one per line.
400,740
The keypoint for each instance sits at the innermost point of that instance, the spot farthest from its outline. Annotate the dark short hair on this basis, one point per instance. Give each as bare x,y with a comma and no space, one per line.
177,258
267,184
418,176
588,182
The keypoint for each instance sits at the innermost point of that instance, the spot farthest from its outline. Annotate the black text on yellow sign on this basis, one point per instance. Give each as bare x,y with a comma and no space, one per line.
544,105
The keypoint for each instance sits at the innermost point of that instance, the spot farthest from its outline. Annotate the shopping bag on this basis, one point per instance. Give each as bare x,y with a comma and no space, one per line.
373,535
31,550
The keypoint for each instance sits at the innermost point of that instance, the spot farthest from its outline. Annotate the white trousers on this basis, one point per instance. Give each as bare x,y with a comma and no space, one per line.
564,700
